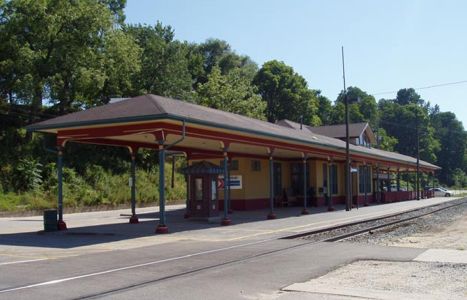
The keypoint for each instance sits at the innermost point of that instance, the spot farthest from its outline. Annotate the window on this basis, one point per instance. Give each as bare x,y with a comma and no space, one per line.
256,165
297,178
233,164
214,189
325,178
364,179
334,186
198,189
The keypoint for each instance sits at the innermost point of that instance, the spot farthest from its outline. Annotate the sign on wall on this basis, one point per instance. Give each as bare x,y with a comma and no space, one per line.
235,182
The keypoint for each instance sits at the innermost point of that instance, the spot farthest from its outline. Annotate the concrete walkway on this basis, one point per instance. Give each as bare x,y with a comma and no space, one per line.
20,237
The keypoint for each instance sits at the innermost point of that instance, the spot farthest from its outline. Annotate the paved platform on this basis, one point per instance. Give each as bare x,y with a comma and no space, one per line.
21,239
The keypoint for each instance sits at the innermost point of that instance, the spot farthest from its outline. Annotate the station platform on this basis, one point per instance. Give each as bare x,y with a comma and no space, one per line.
21,238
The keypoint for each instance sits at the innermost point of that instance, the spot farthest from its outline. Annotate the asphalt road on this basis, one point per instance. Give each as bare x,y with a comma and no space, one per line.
186,270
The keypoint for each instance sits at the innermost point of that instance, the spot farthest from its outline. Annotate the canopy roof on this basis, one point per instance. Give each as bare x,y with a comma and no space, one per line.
152,110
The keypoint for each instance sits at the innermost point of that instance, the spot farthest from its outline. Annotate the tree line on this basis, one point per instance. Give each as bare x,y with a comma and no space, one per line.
58,57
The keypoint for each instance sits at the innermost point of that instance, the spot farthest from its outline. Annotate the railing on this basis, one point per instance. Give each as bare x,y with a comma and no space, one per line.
404,195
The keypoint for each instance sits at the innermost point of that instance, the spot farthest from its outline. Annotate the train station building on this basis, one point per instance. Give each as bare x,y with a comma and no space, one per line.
236,162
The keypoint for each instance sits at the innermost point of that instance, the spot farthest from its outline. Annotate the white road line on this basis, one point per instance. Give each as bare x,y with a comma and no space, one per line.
51,282
21,261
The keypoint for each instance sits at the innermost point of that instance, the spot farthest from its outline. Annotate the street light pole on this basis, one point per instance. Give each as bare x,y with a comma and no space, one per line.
348,205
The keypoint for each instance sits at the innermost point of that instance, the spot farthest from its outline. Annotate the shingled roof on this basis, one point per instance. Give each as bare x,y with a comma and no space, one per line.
152,107
335,131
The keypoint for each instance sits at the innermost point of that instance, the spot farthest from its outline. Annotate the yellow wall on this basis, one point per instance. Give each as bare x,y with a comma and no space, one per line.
255,184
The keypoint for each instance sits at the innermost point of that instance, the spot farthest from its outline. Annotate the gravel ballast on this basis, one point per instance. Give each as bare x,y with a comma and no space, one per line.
391,280
444,229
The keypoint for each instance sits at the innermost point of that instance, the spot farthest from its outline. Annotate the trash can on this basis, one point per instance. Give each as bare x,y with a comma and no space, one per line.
50,220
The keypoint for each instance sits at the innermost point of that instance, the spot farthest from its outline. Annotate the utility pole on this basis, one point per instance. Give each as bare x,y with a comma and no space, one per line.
417,183
348,203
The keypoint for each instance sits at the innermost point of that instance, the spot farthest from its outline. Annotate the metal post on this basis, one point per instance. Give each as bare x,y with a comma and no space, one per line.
305,181
229,208
134,217
407,177
388,183
61,225
417,183
347,147
398,180
433,182
162,227
225,220
187,201
271,214
331,169
365,173
378,193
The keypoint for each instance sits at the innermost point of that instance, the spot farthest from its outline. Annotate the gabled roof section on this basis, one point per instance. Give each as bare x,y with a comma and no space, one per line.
152,107
334,131
131,109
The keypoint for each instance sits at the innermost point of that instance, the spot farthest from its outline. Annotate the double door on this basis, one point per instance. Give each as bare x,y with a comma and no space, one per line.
204,196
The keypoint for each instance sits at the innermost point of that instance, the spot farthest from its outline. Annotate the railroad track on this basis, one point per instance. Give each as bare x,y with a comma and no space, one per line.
356,228
331,234
371,224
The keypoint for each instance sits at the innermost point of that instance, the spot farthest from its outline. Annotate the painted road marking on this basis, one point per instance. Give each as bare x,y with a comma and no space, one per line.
60,280
21,261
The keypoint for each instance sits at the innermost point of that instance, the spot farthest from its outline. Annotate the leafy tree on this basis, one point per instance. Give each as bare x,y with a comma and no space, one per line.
50,39
385,141
363,108
453,139
232,92
408,96
286,94
324,108
215,52
401,122
164,62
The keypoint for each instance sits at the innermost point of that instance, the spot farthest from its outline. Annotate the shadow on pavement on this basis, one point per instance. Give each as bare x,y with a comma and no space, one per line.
105,233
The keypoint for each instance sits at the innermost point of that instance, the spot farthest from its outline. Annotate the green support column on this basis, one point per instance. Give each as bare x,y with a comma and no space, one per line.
305,181
229,208
271,214
330,183
388,183
398,180
162,227
134,217
61,225
187,201
378,194
365,182
225,220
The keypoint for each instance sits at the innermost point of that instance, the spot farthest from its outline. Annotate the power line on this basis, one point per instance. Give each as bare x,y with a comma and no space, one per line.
425,87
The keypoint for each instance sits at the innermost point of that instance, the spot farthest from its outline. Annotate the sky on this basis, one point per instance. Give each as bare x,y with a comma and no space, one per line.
388,45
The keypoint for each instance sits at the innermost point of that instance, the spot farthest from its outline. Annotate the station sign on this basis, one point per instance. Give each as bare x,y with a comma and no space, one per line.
235,182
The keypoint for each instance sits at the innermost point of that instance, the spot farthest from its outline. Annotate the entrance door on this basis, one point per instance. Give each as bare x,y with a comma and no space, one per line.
277,169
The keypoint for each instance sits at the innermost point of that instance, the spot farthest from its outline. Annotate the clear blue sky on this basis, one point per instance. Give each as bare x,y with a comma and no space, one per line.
388,44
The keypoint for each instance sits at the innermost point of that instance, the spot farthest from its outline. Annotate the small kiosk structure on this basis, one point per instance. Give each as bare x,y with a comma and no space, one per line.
202,178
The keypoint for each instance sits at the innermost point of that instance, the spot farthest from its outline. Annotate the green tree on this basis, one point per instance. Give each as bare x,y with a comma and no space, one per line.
362,107
164,62
50,38
453,139
401,122
286,94
215,52
324,108
232,92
